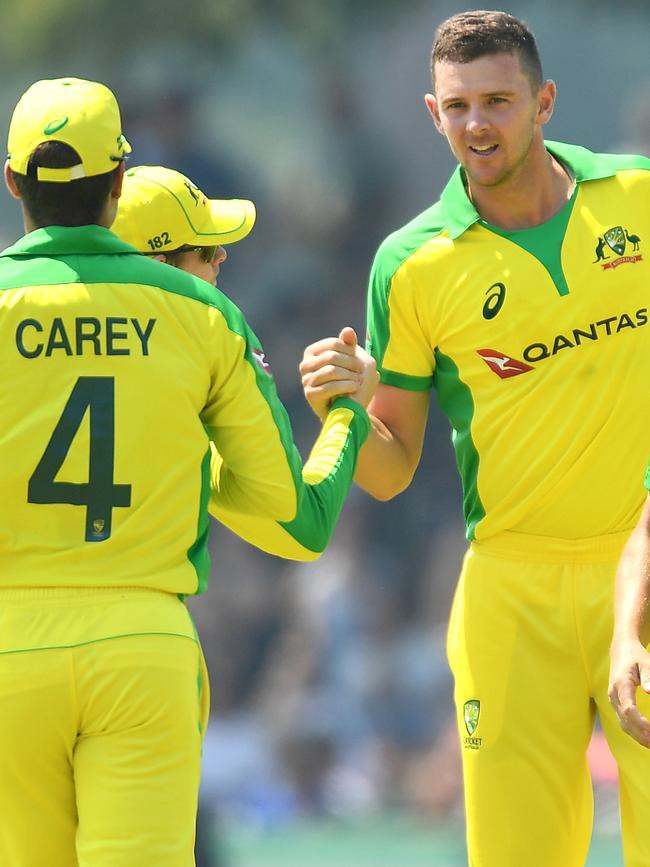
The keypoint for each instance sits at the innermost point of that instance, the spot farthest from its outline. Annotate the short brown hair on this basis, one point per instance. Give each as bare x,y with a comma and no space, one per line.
73,203
470,35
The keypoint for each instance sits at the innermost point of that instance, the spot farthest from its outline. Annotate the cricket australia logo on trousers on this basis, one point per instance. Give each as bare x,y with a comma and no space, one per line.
471,715
616,240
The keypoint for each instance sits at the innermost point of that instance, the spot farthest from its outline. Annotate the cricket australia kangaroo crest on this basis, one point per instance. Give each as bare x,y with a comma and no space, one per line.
615,240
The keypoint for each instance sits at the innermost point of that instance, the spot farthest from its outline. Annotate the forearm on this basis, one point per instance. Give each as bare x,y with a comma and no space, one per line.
633,588
383,468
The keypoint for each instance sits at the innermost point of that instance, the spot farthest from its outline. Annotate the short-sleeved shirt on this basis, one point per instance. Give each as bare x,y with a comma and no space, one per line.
537,342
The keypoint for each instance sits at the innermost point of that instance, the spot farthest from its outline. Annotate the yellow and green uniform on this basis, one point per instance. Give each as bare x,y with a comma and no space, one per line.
120,376
537,343
320,497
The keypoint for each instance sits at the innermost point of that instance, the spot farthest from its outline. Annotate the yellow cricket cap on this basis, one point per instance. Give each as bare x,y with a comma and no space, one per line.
82,114
160,209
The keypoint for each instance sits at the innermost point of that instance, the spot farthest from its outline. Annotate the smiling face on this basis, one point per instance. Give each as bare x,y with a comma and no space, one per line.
491,114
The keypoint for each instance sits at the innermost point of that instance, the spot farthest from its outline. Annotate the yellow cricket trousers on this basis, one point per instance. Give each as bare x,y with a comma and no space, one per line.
100,749
528,644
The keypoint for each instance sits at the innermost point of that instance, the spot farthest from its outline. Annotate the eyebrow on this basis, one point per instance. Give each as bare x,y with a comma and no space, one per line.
490,93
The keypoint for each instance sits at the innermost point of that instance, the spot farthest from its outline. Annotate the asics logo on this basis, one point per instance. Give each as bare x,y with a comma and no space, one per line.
496,295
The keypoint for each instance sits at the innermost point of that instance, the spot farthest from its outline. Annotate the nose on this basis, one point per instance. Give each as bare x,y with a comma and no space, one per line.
477,122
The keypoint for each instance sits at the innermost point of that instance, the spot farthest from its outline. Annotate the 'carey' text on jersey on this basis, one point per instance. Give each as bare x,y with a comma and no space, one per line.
83,335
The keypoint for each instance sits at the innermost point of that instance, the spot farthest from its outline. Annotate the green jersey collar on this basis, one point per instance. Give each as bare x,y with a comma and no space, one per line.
460,213
66,241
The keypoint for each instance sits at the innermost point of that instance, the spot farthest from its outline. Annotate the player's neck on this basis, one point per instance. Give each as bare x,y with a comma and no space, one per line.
530,197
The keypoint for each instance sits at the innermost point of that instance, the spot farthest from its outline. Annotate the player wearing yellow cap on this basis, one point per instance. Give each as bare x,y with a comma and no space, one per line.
521,296
164,214
119,372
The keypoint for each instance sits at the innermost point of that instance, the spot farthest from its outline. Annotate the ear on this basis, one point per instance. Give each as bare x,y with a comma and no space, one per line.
116,192
160,257
546,102
432,107
11,182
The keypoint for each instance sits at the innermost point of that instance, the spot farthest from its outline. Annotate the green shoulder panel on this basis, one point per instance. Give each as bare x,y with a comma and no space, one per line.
18,272
626,162
392,254
22,270
132,268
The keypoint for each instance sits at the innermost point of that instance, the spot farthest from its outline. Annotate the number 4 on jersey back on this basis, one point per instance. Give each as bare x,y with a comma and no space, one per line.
99,494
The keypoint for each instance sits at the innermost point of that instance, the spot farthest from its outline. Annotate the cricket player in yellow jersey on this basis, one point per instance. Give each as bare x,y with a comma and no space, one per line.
118,374
162,213
522,296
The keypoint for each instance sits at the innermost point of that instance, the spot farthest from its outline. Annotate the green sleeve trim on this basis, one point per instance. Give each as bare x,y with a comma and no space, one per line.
403,380
320,505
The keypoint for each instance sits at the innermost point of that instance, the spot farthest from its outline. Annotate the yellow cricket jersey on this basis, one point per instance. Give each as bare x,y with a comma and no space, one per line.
537,343
119,373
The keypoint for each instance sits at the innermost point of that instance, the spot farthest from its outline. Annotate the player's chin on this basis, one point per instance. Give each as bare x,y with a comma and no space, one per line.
486,176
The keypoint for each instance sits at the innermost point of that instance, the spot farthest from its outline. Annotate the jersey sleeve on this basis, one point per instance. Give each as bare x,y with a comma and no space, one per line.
325,481
396,340
244,418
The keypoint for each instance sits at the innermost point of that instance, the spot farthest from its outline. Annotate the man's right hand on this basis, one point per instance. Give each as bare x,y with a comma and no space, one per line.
630,671
337,366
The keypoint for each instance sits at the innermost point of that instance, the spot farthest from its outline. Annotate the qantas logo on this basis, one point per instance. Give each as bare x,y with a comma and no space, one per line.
594,331
503,365
506,366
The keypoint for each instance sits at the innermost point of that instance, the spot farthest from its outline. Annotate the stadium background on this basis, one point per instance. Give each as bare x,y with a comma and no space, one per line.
330,738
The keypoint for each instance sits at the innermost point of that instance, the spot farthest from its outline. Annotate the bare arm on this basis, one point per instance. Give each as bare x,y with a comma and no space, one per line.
391,454
630,661
398,417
